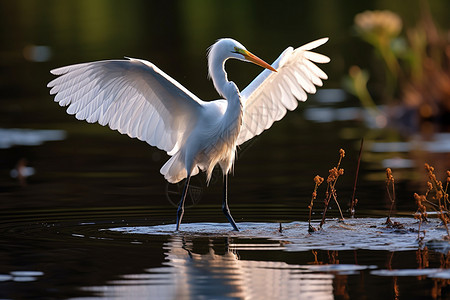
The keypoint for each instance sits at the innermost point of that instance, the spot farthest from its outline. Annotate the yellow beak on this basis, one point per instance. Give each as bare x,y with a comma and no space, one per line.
256,60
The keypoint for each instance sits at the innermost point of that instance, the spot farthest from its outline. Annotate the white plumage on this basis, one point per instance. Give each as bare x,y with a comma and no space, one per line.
268,97
136,98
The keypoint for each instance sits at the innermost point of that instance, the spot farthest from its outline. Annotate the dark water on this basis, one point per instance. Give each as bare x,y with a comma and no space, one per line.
57,237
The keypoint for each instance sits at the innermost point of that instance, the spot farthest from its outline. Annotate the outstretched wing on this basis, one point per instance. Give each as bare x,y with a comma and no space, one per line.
132,96
268,97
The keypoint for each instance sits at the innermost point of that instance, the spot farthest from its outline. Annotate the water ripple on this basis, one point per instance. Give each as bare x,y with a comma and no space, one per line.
364,233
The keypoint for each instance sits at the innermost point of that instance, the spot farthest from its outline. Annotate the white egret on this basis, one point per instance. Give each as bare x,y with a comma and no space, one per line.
135,97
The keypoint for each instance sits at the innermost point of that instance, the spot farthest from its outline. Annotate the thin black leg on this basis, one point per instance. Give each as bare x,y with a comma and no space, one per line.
225,208
180,210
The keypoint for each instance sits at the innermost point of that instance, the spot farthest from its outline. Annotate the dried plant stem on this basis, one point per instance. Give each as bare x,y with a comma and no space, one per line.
432,204
391,198
390,183
354,201
326,202
318,181
418,230
338,206
435,188
330,191
421,212
331,182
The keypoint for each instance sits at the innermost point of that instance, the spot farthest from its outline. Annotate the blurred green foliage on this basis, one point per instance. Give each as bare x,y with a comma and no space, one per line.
416,64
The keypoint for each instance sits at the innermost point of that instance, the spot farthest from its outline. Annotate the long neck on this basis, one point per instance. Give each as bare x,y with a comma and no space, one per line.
216,65
225,88
217,57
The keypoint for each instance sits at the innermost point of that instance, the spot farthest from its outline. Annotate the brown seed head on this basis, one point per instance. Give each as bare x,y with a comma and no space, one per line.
334,174
318,180
389,176
388,172
419,200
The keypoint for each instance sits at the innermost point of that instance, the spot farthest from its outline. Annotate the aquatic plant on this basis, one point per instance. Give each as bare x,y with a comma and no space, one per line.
390,186
421,213
416,64
317,181
380,28
354,201
333,176
330,192
437,193
436,196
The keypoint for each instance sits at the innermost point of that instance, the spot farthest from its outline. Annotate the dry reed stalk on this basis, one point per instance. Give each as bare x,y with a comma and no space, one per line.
331,191
317,181
421,213
437,192
354,200
390,183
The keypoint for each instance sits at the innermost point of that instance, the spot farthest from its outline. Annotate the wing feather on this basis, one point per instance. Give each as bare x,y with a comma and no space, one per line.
316,57
132,96
313,44
270,95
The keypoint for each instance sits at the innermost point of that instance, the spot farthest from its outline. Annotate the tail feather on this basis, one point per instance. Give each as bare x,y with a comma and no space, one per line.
174,170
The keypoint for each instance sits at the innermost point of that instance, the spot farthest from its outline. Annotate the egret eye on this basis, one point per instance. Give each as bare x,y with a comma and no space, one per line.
238,50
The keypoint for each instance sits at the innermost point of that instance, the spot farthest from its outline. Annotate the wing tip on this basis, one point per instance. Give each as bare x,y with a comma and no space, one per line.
58,71
321,41
314,44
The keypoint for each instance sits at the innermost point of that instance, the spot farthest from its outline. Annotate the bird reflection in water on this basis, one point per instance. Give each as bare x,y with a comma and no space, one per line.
199,269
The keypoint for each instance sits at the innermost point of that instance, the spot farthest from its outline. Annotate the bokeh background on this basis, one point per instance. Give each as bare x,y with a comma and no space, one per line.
62,181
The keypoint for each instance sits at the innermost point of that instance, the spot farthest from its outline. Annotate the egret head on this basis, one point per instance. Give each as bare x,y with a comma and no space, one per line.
227,48
245,55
